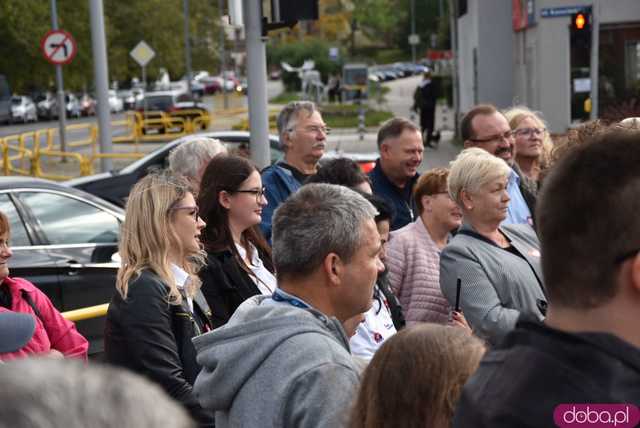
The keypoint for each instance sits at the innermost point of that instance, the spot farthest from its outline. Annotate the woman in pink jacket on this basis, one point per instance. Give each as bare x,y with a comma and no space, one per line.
413,252
54,335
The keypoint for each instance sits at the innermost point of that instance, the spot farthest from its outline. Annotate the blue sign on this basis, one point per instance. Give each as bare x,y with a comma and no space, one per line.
553,12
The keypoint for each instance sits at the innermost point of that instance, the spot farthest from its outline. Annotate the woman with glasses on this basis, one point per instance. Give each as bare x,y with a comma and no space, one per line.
413,252
158,307
533,144
239,263
497,266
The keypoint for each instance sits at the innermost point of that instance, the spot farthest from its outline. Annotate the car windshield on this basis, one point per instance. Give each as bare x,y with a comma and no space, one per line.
163,102
16,101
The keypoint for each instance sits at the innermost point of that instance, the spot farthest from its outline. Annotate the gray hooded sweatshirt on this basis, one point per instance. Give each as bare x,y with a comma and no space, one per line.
276,365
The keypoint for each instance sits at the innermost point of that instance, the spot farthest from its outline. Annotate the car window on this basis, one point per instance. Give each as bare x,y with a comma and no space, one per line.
19,236
65,220
159,103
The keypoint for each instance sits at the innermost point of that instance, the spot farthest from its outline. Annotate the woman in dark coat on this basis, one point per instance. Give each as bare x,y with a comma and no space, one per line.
239,263
158,307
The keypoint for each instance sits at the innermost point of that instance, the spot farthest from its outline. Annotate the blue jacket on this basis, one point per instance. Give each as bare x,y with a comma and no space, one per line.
401,200
279,183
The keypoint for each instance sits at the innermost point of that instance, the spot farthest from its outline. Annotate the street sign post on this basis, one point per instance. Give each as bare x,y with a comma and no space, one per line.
58,47
143,54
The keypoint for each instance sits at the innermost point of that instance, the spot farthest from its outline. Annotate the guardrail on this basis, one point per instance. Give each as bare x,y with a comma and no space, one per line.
156,126
86,313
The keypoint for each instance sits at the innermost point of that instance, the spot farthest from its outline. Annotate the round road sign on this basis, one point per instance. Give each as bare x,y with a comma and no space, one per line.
58,47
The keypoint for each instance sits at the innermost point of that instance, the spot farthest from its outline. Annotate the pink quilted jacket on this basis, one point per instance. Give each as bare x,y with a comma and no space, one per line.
413,260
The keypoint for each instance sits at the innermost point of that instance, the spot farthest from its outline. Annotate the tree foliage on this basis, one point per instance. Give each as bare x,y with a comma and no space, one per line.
159,22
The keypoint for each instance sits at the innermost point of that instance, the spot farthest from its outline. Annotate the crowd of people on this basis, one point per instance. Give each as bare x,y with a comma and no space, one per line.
484,294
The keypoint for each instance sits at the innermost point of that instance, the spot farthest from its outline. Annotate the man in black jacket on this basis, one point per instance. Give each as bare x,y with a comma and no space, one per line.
424,101
588,350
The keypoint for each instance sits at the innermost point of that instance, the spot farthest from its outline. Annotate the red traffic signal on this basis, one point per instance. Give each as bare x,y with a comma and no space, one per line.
580,21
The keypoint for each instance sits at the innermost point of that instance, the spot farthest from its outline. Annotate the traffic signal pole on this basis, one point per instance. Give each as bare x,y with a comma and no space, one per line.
595,51
257,81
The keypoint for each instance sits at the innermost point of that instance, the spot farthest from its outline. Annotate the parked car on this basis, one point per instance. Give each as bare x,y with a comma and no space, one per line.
87,105
173,103
47,106
114,186
63,241
23,109
115,102
128,99
72,105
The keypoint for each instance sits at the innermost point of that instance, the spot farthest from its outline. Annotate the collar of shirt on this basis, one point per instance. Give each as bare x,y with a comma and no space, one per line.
282,296
179,275
255,258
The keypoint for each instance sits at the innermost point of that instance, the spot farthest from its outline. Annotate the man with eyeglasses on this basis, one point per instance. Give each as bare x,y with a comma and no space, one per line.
587,351
486,128
303,137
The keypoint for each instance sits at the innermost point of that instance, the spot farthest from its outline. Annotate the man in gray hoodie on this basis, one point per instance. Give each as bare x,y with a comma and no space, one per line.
285,361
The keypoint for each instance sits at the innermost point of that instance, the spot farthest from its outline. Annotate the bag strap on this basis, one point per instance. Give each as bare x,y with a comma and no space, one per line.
27,298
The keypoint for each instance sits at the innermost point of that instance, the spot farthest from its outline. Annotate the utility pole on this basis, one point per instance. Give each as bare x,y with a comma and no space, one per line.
187,44
257,81
223,57
62,110
595,52
453,28
101,76
413,30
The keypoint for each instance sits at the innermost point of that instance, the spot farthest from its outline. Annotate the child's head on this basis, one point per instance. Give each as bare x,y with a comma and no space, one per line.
416,377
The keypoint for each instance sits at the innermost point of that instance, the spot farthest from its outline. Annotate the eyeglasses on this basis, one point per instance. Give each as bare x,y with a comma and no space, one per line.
506,136
315,129
193,211
258,193
528,132
618,260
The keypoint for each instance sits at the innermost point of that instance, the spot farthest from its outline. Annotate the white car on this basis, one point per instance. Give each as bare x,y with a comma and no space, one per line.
23,109
115,102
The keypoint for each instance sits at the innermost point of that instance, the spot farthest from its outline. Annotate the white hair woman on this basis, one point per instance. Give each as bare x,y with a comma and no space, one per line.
497,267
533,144
158,307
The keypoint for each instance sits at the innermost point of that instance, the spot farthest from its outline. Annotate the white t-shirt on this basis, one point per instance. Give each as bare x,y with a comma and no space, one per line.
374,330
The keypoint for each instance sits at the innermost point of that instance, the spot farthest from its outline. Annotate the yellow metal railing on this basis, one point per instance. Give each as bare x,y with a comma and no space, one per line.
86,313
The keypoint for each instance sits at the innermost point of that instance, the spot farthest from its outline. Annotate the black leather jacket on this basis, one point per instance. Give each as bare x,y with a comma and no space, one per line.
147,335
225,285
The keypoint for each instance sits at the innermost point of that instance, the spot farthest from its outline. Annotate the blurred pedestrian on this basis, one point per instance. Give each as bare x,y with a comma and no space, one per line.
396,171
416,377
533,144
158,307
190,159
303,137
425,99
588,349
285,360
238,257
486,128
413,253
54,336
498,266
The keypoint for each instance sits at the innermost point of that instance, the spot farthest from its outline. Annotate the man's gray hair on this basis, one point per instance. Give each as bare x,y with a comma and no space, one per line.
289,115
317,220
187,159
43,392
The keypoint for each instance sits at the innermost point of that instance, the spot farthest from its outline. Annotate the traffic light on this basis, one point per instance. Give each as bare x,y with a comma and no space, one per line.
581,29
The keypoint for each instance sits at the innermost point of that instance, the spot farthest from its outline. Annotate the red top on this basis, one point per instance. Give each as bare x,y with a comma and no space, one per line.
53,331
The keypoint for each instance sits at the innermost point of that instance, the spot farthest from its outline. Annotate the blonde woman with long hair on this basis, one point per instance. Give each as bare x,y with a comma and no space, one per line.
158,306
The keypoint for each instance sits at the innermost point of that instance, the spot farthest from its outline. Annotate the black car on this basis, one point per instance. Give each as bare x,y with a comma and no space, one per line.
63,241
114,186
